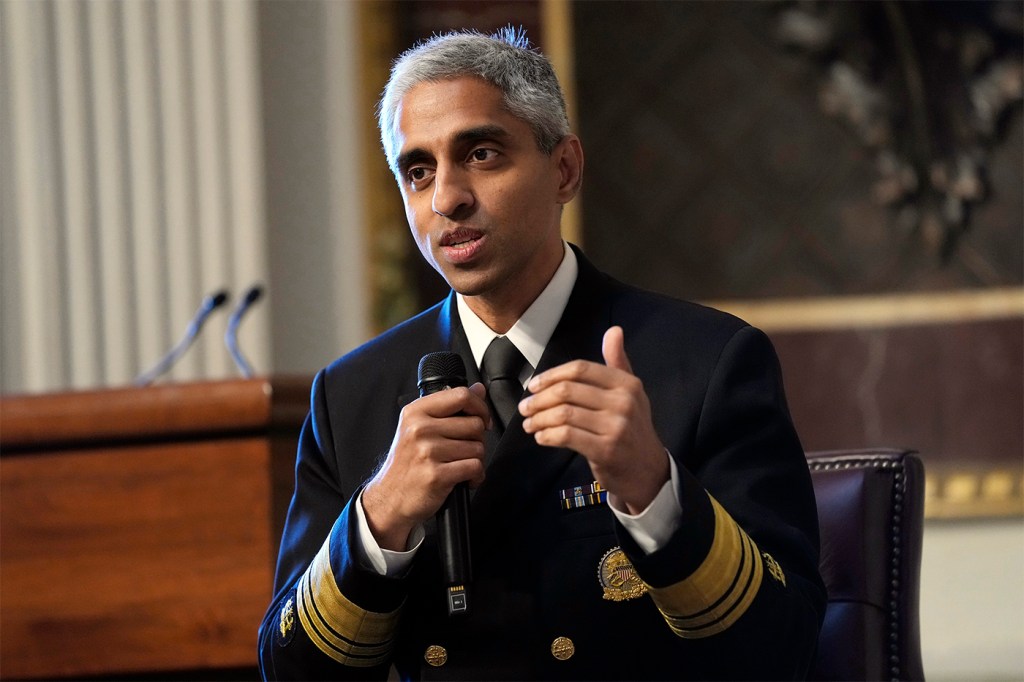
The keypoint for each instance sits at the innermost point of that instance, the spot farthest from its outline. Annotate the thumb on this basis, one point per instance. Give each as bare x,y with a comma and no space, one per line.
613,349
478,390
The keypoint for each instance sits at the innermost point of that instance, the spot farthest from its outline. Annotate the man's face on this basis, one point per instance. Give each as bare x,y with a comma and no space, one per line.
482,200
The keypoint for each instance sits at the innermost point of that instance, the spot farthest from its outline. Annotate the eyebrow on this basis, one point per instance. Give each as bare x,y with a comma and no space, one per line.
469,135
409,158
485,132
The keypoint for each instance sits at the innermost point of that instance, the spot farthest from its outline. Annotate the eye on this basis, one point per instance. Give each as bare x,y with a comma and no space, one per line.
418,175
482,154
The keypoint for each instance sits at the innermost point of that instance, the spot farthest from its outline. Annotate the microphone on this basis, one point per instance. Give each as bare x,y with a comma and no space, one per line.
231,335
438,371
209,304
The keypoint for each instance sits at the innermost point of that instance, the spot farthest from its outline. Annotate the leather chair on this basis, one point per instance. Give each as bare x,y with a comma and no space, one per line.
871,510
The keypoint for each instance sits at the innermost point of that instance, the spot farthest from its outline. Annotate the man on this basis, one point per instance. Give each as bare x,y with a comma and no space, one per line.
644,512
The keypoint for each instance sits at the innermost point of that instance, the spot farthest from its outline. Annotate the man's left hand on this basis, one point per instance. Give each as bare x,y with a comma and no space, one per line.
601,412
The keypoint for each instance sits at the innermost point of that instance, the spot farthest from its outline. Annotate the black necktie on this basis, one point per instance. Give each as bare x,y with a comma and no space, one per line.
500,368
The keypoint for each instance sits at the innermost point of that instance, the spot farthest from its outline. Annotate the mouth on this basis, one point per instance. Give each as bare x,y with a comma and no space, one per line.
460,245
459,238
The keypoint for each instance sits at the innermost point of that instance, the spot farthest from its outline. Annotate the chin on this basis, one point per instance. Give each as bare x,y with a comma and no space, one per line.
468,283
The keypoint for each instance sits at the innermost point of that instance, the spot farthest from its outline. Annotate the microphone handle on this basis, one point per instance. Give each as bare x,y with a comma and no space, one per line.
453,537
453,543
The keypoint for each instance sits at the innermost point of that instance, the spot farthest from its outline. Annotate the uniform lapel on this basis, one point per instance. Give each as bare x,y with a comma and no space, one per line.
456,340
449,336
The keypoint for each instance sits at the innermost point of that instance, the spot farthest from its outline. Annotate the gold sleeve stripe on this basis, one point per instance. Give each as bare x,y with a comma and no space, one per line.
722,588
347,633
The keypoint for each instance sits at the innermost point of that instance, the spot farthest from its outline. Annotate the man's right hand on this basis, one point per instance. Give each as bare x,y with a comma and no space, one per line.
439,442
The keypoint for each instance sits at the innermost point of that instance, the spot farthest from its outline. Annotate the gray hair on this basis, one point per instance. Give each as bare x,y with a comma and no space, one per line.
504,59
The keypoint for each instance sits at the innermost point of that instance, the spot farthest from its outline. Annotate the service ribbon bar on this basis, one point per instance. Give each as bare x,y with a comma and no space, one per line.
581,496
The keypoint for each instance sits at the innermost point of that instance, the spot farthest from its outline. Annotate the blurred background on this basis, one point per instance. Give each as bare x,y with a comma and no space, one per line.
846,175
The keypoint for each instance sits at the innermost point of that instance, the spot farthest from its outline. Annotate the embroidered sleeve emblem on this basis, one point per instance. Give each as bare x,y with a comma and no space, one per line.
773,568
286,622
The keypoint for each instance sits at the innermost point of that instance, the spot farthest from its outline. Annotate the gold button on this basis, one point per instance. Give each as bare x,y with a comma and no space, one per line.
563,648
436,655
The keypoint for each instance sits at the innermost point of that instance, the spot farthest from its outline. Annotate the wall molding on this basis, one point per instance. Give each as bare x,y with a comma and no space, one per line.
973,492
889,310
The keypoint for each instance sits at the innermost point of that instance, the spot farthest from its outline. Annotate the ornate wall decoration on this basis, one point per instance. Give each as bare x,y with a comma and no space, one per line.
927,87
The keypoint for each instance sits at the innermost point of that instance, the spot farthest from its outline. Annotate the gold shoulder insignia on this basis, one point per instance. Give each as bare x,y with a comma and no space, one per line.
773,568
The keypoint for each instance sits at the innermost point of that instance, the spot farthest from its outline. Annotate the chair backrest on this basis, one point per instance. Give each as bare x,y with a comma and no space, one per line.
871,511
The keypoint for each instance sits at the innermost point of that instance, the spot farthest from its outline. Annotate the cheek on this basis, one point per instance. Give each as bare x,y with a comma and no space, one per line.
533,196
417,222
515,202
531,211
422,243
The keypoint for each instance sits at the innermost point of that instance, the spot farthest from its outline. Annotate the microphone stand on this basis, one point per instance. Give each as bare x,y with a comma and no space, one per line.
209,304
231,335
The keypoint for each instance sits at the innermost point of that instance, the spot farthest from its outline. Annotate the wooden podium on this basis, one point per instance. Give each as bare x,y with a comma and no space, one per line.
139,526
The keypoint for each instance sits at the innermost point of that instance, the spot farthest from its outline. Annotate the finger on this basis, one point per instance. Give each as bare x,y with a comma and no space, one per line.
451,451
613,348
579,371
466,471
462,428
565,393
452,401
427,430
580,440
480,391
418,445
449,474
419,431
591,421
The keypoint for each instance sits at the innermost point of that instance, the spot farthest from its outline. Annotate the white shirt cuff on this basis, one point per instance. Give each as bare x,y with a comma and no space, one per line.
385,562
652,528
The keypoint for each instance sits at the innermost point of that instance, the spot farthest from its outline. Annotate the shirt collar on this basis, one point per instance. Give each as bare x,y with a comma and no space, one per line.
531,332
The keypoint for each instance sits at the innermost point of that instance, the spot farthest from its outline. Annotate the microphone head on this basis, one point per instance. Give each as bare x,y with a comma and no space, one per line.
253,294
440,370
215,300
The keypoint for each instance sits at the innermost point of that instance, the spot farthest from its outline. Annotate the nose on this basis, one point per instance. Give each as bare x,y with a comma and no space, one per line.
452,192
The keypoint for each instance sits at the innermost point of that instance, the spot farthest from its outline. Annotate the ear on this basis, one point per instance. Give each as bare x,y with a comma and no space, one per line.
568,155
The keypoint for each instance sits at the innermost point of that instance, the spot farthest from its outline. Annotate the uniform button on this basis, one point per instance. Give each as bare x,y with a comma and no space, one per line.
562,648
435,655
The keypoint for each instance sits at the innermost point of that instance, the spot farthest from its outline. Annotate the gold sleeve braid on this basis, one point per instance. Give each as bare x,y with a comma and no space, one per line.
714,596
347,633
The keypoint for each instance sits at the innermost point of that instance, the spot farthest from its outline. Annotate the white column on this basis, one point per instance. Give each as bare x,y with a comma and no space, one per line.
108,156
246,190
30,172
215,253
344,137
148,258
81,253
182,257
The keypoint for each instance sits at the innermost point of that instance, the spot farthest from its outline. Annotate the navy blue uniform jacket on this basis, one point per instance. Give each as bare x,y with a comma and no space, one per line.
734,594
